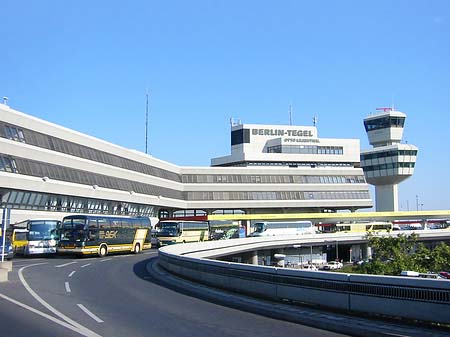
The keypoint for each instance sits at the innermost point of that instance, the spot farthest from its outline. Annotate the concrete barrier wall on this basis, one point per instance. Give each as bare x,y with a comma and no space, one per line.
418,299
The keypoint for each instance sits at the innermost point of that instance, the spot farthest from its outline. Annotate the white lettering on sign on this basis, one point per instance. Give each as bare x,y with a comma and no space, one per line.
280,132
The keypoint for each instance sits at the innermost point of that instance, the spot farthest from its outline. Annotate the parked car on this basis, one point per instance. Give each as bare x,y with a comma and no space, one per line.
445,274
332,265
360,262
309,267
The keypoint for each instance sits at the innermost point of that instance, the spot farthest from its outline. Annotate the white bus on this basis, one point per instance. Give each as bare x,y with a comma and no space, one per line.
274,228
36,236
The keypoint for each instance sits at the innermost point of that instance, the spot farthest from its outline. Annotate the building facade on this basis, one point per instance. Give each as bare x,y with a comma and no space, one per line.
52,169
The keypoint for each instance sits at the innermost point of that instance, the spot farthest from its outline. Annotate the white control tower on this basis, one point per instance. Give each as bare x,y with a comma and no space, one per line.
389,162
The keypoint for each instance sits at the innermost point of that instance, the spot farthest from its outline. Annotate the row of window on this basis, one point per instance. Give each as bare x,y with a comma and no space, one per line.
291,164
63,146
60,203
306,149
37,169
272,195
122,223
384,122
197,212
271,179
33,168
388,166
391,153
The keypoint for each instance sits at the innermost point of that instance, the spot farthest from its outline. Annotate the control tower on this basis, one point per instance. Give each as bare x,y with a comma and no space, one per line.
389,162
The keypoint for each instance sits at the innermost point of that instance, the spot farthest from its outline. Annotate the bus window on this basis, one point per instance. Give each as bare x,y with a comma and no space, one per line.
103,223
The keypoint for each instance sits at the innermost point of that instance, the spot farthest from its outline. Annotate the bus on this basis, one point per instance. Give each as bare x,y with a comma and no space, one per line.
419,224
178,231
377,226
35,236
274,228
102,234
223,230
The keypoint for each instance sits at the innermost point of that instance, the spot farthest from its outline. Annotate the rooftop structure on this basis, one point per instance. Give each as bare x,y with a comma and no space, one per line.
287,145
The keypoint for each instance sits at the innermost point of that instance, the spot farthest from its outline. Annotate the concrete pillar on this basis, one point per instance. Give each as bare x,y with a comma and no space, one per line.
386,198
366,251
255,257
356,253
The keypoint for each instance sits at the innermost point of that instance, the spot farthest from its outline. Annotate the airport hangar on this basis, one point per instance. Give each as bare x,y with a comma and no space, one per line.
47,170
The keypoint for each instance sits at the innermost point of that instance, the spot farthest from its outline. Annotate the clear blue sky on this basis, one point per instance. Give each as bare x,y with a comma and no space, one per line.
86,65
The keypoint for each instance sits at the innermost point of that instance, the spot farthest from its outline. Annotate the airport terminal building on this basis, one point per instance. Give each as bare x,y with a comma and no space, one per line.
48,168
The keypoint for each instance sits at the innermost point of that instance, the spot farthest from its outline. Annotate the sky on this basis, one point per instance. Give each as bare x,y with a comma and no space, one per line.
88,65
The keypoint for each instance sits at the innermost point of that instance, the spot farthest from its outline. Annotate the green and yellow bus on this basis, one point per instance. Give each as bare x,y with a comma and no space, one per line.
178,231
101,235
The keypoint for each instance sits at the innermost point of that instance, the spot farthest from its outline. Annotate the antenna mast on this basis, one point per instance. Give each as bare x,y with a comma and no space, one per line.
146,123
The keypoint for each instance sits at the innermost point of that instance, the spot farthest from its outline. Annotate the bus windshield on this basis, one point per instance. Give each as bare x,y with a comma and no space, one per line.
73,229
259,227
42,230
168,229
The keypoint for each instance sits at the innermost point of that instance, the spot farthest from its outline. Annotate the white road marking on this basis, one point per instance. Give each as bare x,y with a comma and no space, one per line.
53,319
71,274
67,287
90,314
106,259
85,265
81,329
65,264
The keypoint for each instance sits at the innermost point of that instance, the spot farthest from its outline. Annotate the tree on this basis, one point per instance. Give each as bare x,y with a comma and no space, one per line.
391,255
440,258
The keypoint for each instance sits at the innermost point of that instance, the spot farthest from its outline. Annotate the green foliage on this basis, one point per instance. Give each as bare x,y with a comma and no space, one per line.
391,255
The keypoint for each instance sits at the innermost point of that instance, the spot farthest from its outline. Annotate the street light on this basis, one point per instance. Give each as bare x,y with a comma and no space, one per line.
337,250
299,256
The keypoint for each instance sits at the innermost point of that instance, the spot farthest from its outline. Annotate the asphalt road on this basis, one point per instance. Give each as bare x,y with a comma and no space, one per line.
116,296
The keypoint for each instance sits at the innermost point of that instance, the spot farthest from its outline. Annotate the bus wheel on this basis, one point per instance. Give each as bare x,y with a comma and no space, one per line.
103,250
137,248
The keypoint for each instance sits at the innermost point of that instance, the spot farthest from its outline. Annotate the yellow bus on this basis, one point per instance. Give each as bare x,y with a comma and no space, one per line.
365,227
177,231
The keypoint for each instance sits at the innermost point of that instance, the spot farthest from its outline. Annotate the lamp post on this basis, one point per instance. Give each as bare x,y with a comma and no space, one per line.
337,250
299,256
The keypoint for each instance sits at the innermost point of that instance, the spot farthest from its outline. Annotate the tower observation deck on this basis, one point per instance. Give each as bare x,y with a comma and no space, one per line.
389,162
